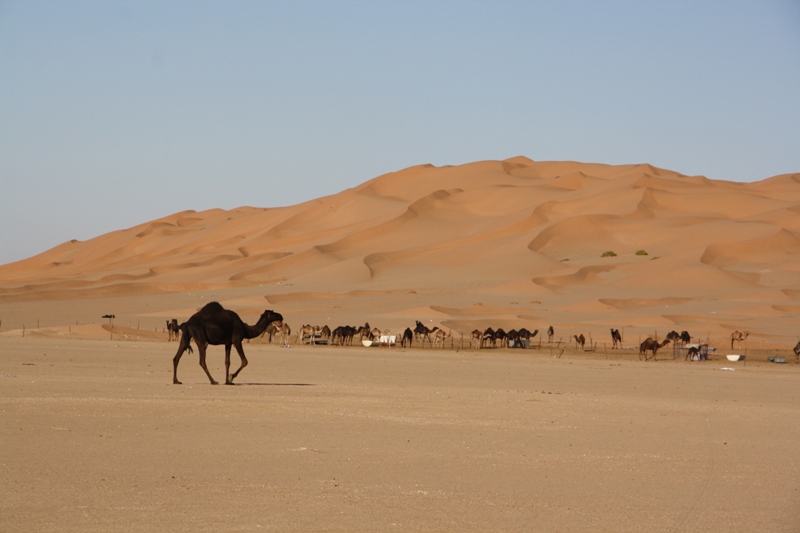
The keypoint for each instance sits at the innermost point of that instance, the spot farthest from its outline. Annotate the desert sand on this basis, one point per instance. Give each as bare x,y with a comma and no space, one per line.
96,438
324,438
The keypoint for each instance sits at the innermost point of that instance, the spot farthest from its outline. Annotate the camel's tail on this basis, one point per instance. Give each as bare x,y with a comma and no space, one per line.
186,337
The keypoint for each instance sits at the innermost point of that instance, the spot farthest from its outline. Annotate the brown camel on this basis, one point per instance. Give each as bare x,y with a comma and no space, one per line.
738,336
364,332
173,329
616,338
650,345
580,340
307,331
440,336
286,333
215,325
476,337
272,330
325,332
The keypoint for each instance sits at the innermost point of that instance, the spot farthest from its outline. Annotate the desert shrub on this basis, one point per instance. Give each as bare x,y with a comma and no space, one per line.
641,252
609,254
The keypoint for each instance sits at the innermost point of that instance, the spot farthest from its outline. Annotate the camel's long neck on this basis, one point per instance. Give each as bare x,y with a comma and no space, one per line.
251,332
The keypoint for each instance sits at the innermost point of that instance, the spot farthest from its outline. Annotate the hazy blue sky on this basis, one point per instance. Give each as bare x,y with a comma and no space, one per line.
117,113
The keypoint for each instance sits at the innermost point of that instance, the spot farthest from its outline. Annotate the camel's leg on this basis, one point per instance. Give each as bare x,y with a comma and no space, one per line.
175,361
201,347
241,356
228,364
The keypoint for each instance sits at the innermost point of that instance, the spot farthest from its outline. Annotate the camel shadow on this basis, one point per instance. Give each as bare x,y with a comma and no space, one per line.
274,384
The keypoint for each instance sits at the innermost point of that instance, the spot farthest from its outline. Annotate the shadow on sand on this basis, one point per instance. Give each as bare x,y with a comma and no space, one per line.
275,384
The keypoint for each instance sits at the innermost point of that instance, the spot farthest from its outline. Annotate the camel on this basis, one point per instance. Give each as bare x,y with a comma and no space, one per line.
286,333
525,335
797,353
338,335
673,336
440,336
407,337
272,330
580,340
550,333
173,329
325,332
500,335
364,332
692,352
217,326
476,337
685,337
513,336
488,337
343,335
738,336
422,332
616,338
307,332
651,345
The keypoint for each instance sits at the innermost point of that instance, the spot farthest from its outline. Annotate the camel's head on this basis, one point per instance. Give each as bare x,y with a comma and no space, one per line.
272,317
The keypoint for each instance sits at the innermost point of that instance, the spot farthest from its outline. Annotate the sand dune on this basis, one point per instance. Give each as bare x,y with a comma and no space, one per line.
440,239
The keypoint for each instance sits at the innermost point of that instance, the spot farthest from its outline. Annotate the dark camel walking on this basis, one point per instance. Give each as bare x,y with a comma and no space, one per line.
215,325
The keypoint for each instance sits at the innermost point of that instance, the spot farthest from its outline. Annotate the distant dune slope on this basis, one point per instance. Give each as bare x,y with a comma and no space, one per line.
513,223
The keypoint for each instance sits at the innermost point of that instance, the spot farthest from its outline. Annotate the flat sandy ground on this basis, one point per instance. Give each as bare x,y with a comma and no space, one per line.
96,438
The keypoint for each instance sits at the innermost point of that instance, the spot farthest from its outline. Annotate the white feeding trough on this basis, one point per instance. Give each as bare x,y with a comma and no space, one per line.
735,357
368,343
388,340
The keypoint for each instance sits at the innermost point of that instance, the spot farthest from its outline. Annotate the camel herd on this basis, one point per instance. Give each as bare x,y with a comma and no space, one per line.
213,325
507,339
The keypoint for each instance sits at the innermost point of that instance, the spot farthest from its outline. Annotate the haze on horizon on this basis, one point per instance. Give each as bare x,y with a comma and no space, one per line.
116,113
